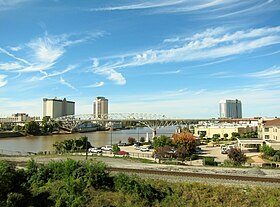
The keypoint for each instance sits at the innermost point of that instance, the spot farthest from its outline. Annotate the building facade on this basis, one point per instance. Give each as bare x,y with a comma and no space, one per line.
223,129
230,109
269,132
19,118
100,107
56,107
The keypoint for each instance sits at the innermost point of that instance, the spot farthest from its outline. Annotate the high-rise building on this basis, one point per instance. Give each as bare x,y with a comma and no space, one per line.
100,107
56,107
230,109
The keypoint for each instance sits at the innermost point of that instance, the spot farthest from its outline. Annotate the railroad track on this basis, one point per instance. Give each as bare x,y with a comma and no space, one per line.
199,175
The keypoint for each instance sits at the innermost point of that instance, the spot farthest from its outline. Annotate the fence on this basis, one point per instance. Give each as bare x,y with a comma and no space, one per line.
15,153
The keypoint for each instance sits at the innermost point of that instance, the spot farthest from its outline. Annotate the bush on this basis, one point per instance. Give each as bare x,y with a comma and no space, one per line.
237,156
267,150
229,163
131,140
115,149
209,161
142,139
276,158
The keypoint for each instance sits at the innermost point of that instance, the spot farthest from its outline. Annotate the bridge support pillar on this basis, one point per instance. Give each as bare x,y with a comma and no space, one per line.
154,133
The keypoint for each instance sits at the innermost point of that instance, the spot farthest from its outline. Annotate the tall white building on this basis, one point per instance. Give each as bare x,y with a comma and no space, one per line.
230,109
100,107
56,107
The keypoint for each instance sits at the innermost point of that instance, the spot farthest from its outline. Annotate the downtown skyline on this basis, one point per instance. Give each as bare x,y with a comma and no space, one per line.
172,57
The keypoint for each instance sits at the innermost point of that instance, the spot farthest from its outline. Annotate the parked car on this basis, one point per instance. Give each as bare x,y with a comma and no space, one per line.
122,144
144,149
95,150
107,148
124,153
138,144
137,147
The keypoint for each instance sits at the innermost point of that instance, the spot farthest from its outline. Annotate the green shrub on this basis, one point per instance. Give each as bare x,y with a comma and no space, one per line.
276,158
209,161
229,163
267,150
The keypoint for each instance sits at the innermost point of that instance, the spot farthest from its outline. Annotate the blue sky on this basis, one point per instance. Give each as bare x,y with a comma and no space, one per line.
172,57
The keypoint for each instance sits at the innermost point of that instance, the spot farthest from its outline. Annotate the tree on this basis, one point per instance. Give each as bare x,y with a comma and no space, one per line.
49,125
131,140
235,135
162,141
73,144
142,139
163,152
202,134
226,135
185,139
216,136
115,149
32,128
267,150
181,153
237,156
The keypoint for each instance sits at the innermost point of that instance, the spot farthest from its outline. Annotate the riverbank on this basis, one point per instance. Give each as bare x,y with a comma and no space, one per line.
11,134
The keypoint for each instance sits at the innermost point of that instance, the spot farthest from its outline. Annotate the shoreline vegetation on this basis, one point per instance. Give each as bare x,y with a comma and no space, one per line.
90,183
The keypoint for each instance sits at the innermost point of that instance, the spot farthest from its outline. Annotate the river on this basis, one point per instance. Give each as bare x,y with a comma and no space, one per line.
97,139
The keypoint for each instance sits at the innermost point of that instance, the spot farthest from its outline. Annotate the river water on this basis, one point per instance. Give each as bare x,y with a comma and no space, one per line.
97,139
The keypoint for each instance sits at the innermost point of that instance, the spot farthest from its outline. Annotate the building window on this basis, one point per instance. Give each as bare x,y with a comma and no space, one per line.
266,137
266,129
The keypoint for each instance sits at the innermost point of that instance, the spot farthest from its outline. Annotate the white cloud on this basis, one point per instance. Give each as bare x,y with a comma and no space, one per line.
272,72
3,82
110,73
142,5
15,49
56,73
47,49
63,82
168,72
10,66
96,85
214,8
211,44
9,4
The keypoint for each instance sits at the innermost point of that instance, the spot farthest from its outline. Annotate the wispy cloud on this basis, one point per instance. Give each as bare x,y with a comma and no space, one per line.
215,8
10,66
3,82
109,72
63,82
96,85
168,72
210,44
142,5
56,73
10,4
272,72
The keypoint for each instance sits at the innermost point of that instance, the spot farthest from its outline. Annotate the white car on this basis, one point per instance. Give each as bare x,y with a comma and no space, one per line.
144,149
107,148
95,150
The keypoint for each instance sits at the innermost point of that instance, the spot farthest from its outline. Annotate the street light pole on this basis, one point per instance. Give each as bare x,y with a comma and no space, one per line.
111,129
86,148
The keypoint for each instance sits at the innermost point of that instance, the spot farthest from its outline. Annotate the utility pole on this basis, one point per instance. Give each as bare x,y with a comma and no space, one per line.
86,148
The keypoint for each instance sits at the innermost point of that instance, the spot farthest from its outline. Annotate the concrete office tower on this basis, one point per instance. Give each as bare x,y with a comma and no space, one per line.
230,109
100,107
56,107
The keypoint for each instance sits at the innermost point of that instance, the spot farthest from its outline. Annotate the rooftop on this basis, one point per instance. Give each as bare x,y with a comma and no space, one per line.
274,122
